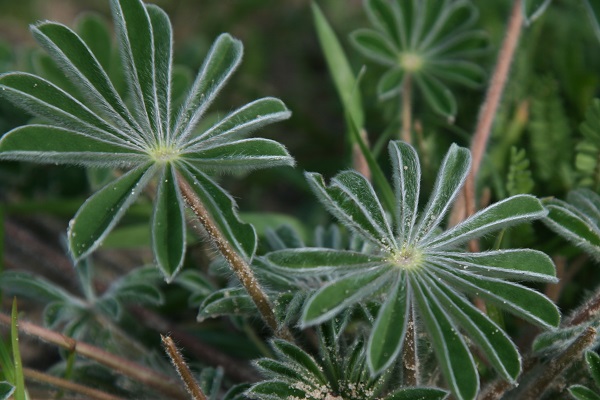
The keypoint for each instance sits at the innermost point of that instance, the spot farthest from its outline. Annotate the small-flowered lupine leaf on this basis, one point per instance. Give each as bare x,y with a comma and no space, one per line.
533,9
421,267
152,133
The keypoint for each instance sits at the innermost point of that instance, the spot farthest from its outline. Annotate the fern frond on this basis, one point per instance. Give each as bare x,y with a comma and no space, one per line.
587,152
518,179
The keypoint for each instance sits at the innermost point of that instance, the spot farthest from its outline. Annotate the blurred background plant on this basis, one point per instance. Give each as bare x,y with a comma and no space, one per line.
544,142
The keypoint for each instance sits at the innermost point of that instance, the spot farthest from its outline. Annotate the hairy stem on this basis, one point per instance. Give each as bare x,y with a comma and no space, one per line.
490,107
135,371
88,392
182,369
559,364
406,112
237,262
409,358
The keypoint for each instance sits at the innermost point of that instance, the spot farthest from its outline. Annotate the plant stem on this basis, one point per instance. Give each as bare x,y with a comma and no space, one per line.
490,107
590,309
88,392
237,262
406,100
409,357
182,369
557,365
135,371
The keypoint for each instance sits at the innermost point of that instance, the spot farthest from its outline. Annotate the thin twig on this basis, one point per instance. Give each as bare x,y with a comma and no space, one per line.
490,107
406,100
182,369
237,262
135,371
90,393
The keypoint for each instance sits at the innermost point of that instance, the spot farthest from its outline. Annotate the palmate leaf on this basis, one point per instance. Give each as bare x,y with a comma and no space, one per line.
145,133
425,270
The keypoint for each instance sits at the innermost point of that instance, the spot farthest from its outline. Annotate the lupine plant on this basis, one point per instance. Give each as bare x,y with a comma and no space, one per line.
408,294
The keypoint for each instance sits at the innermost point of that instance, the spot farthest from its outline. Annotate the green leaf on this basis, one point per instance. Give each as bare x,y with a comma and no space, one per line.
77,61
450,178
505,213
515,264
533,9
48,144
339,67
455,360
20,393
34,287
282,371
295,355
417,393
593,361
351,198
241,155
168,225
139,285
274,390
340,294
383,15
375,46
237,392
464,72
97,36
226,302
390,84
43,99
582,393
496,345
162,34
221,61
136,40
592,9
318,260
240,123
573,226
101,212
6,390
437,94
519,300
407,182
389,330
221,207
586,201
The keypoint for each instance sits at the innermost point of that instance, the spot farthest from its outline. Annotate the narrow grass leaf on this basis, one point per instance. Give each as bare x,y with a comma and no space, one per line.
20,393
407,181
45,100
136,40
389,330
313,260
241,155
580,392
222,209
296,355
496,345
168,225
503,214
340,294
162,34
76,59
48,144
374,45
222,60
241,123
450,178
455,360
421,393
337,62
437,94
515,264
517,299
352,200
101,212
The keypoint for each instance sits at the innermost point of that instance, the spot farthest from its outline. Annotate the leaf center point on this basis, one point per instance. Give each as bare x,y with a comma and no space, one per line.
407,258
410,62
